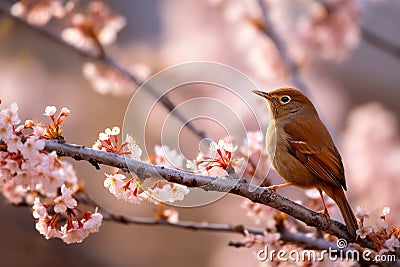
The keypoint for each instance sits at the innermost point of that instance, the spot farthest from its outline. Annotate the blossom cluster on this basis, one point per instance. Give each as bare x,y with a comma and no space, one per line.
249,161
132,189
379,233
216,161
89,29
327,29
79,224
40,12
32,176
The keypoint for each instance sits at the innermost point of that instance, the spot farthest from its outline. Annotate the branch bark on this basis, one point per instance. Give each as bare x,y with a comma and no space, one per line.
229,185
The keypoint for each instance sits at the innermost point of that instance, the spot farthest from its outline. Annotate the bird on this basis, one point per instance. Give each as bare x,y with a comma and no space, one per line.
303,152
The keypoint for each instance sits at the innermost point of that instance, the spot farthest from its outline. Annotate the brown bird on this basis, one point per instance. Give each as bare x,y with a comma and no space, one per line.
302,150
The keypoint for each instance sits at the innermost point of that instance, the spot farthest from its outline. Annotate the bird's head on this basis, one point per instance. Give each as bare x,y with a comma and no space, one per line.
286,101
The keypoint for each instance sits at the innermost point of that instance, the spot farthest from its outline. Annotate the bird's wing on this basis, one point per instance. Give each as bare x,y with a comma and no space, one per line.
318,158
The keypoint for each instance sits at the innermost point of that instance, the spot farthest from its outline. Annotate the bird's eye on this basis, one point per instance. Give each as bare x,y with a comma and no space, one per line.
285,99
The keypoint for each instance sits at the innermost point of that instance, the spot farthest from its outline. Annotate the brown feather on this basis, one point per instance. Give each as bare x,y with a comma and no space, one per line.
322,161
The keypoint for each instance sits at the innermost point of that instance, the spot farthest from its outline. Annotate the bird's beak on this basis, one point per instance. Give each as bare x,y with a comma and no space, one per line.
262,94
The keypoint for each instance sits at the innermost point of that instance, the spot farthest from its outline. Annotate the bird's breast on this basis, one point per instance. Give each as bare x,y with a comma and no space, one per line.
287,166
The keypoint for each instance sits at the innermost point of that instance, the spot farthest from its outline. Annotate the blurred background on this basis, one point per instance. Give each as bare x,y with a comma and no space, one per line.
351,75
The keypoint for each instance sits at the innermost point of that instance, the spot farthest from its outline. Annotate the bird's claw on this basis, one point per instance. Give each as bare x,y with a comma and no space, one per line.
328,218
273,189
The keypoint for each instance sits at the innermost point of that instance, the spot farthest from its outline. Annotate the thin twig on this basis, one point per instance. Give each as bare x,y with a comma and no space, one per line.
234,186
286,236
163,99
371,37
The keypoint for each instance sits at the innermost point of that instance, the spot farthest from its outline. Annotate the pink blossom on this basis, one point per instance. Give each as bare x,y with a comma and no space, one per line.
380,225
105,79
47,230
363,231
93,224
115,184
362,213
99,23
130,193
40,12
65,112
74,234
65,201
134,149
10,115
12,143
114,131
260,213
49,111
169,192
15,194
172,215
6,129
39,210
392,243
31,148
167,157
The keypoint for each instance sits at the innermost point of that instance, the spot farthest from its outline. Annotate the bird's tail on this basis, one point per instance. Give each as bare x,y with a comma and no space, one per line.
340,198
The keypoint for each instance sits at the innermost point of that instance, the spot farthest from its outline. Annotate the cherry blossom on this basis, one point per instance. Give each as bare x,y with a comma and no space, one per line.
39,210
96,28
76,229
31,148
362,213
65,201
169,192
53,130
363,231
73,234
162,213
220,157
108,141
167,157
106,80
48,230
25,168
260,214
123,188
93,222
115,184
133,147
49,111
392,243
40,12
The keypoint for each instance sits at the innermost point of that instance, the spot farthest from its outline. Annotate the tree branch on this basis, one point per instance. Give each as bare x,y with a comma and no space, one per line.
234,186
286,236
163,99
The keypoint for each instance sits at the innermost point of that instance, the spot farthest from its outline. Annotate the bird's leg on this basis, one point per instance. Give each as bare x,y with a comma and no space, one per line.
273,188
325,211
278,186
